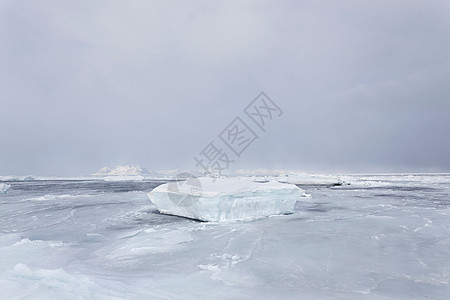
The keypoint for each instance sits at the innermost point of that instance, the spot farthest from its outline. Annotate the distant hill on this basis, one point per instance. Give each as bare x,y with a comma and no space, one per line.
124,171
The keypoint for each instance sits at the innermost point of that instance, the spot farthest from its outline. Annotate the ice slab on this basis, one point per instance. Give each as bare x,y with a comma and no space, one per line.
4,187
16,178
225,199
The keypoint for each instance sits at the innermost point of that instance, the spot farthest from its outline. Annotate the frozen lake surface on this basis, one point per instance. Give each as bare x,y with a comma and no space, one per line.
382,237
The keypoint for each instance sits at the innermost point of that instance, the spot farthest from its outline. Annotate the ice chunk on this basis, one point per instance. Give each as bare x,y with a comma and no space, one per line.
16,178
4,187
225,199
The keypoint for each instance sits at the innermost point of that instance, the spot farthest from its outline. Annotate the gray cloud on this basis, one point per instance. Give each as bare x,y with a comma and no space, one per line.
364,85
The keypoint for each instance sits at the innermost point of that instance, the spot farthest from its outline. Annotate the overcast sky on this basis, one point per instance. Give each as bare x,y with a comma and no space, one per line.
364,85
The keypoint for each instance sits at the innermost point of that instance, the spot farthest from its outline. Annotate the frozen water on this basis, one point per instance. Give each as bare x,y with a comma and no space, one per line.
124,178
294,177
310,179
225,199
382,237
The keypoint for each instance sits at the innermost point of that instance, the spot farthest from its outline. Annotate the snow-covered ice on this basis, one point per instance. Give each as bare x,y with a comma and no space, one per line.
286,176
382,237
124,178
225,199
310,179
